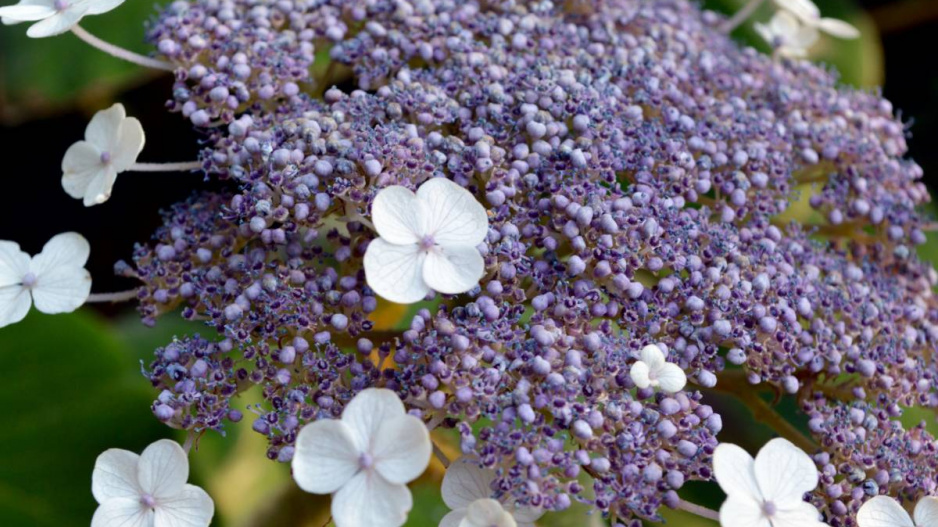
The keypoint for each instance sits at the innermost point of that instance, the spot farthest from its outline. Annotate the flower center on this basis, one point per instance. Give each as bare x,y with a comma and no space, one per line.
769,509
366,461
427,243
105,158
148,501
29,280
61,5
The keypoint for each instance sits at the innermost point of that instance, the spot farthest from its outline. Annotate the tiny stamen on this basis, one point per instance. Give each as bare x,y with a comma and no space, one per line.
366,461
29,280
105,158
60,5
148,501
769,509
427,243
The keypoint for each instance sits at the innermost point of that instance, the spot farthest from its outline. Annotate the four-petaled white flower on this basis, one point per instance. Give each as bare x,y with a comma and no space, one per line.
365,460
467,489
55,279
427,241
809,15
148,490
53,17
112,143
653,370
768,491
883,511
790,37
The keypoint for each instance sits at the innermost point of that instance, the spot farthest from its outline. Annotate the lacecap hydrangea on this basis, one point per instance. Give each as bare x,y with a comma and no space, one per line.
638,169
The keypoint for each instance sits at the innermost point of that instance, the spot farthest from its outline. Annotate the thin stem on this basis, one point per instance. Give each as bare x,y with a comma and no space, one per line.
190,439
184,166
740,16
113,298
698,510
441,456
121,53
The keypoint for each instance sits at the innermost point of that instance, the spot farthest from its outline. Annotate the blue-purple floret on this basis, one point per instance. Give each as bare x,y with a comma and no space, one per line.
639,170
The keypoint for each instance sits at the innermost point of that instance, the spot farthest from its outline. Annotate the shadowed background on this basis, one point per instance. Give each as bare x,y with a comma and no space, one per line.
72,385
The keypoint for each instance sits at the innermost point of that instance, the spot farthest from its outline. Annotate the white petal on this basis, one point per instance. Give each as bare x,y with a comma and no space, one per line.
733,469
326,456
404,451
883,511
14,264
838,28
367,499
464,482
26,13
797,514
103,131
453,216
395,272
163,469
784,24
97,7
640,374
396,215
192,507
454,269
62,290
365,414
122,512
68,249
58,23
487,513
84,176
652,356
671,378
14,304
806,37
115,476
742,511
526,516
784,471
765,32
926,512
803,9
453,518
129,144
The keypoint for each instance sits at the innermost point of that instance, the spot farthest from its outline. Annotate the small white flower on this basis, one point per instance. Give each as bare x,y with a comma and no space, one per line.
768,491
427,241
883,511
53,17
148,490
365,460
809,14
55,279
487,513
466,484
653,370
791,37
112,143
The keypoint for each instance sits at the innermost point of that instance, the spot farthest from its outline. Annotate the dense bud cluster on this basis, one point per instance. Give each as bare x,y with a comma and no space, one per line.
638,168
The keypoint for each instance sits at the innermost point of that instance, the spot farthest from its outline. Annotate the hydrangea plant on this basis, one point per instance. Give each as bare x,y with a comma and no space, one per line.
588,202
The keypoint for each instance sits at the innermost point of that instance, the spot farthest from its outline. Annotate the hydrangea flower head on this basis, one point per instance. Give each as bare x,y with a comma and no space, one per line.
54,280
111,145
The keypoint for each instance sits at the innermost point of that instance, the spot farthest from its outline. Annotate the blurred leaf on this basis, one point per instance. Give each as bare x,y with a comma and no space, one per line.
73,393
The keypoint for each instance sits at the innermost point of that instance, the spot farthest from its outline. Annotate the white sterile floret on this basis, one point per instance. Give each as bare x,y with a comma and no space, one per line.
883,511
53,17
55,279
809,14
652,369
466,483
791,37
427,241
111,146
487,513
768,491
365,460
148,490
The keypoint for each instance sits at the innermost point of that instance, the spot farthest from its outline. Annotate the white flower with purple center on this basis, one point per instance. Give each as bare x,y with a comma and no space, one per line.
365,460
653,370
467,490
767,491
810,15
427,241
111,146
789,35
54,280
148,490
53,17
883,511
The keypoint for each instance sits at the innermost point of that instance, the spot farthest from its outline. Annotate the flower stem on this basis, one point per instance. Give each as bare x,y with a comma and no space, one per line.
112,298
698,510
184,166
121,53
740,16
441,456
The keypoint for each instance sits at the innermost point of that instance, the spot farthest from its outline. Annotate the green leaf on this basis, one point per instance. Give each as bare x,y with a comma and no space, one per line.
70,392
